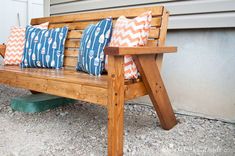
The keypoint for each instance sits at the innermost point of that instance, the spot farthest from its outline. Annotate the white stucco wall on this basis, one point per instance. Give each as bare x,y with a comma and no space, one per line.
200,77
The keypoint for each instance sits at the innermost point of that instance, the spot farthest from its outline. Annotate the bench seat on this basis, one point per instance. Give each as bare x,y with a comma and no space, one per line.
67,83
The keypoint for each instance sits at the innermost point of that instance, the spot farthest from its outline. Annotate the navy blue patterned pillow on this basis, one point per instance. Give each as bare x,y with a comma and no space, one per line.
44,48
91,54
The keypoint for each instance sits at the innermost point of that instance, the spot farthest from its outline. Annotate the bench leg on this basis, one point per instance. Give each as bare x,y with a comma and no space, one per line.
149,71
115,105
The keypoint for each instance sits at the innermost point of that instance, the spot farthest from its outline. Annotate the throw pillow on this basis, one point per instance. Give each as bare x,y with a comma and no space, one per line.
15,44
91,54
44,48
131,33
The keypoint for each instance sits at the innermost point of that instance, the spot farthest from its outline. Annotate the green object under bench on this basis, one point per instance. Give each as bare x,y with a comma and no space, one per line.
38,102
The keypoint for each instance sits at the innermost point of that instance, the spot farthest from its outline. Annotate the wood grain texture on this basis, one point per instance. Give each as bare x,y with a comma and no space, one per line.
135,90
78,22
62,75
115,105
97,15
2,50
138,50
107,90
153,82
81,25
162,37
57,86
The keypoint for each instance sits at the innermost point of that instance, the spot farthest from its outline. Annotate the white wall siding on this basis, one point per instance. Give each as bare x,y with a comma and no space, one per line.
17,13
184,14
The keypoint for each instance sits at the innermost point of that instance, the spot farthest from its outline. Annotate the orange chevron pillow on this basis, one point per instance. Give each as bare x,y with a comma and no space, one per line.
131,33
15,44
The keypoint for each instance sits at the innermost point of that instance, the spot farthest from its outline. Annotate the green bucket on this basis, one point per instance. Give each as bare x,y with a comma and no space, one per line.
38,102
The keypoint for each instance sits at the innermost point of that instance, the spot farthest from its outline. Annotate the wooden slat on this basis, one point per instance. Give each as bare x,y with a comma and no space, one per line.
75,44
131,12
155,22
70,61
134,90
71,76
138,50
71,53
77,34
162,37
72,43
89,93
152,43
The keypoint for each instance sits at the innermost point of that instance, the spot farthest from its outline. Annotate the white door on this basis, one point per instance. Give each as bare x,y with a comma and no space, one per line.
17,13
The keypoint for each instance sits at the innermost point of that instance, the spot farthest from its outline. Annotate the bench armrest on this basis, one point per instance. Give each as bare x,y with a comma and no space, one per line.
138,50
2,50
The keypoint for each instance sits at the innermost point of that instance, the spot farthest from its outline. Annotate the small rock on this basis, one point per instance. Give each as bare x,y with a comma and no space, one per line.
202,140
231,127
171,145
63,114
142,137
93,138
150,113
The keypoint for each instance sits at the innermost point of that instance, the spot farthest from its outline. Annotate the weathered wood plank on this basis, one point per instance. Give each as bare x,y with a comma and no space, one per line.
76,44
70,61
77,34
71,53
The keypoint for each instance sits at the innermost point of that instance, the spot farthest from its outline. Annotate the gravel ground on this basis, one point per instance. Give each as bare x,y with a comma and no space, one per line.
80,129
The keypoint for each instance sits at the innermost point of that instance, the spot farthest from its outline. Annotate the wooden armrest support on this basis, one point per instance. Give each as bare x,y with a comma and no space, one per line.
2,50
138,50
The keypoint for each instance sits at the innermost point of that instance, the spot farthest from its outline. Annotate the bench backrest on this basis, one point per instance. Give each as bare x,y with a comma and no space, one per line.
79,21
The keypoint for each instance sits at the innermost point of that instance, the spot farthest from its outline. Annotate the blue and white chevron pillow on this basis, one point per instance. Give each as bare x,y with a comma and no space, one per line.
44,48
91,54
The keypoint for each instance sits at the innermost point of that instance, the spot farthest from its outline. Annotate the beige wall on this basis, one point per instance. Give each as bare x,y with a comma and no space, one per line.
200,77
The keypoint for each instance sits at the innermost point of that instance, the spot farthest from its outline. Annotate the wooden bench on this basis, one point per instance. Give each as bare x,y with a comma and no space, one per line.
110,91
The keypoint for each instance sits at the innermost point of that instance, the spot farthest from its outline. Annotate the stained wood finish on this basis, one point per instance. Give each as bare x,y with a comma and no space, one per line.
80,87
70,76
115,105
162,37
77,34
78,22
138,50
135,90
130,12
80,25
108,90
155,87
2,50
